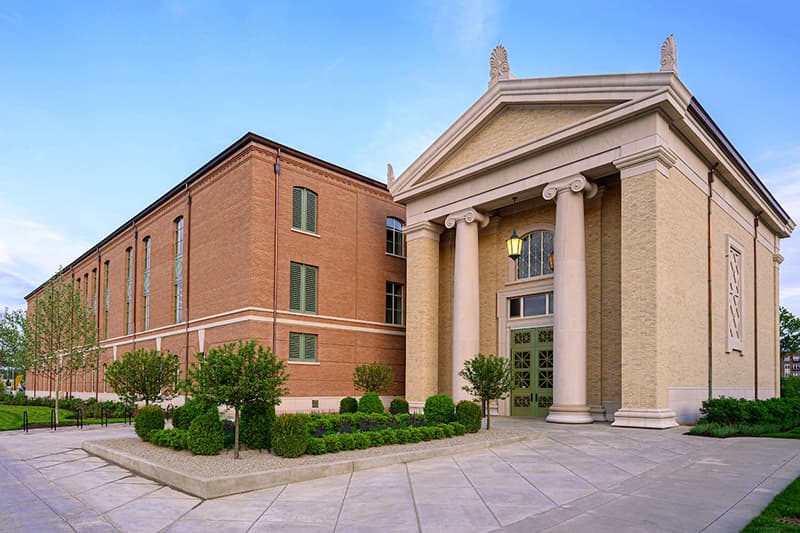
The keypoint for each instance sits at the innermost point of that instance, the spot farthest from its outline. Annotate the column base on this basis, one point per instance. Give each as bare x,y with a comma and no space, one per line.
416,407
598,413
645,418
569,414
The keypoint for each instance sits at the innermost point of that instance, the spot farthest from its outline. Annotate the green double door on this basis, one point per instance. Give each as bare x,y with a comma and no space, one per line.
532,362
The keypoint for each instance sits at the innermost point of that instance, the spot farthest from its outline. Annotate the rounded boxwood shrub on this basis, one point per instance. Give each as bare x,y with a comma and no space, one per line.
403,420
205,434
255,425
398,406
469,414
370,403
439,409
346,441
147,419
193,408
316,446
332,443
362,441
458,428
289,435
348,405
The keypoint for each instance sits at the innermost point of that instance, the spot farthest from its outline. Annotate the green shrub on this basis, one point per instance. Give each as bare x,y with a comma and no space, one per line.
375,438
348,405
414,434
346,441
170,438
790,387
437,432
448,430
783,412
289,435
362,440
469,414
403,420
228,433
205,434
193,408
398,406
332,443
403,436
255,425
316,446
147,419
439,409
458,428
389,436
370,403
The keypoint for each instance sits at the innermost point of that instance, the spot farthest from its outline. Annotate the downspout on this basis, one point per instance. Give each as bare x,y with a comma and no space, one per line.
186,282
755,305
275,255
710,309
96,309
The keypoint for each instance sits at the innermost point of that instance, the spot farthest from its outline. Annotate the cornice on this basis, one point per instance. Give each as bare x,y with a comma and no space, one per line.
424,229
659,158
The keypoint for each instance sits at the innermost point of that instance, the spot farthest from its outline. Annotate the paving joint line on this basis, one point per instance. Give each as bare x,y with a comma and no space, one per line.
344,497
477,491
413,499
528,481
267,508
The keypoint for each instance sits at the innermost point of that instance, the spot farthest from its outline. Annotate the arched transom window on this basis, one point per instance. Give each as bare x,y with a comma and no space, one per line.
537,255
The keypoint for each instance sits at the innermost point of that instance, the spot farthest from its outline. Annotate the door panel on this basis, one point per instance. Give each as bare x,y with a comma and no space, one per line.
532,364
543,396
522,396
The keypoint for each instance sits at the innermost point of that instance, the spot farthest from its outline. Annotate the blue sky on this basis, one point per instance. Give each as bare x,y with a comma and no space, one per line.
106,105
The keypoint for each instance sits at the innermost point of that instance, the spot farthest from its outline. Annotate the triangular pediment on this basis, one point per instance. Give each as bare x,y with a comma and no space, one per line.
512,126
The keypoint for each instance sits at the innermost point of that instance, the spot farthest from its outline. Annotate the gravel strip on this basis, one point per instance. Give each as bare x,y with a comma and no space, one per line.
253,461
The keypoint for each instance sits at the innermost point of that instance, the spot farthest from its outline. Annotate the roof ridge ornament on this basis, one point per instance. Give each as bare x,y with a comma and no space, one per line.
669,55
499,69
389,174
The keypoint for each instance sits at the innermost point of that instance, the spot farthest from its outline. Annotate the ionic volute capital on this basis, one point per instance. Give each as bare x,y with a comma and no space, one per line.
573,184
468,216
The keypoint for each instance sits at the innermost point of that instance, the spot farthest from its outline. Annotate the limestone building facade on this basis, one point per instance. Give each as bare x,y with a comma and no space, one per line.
262,242
649,273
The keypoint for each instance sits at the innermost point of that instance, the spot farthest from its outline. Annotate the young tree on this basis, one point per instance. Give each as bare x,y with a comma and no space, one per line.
790,332
373,377
61,333
490,378
12,340
236,374
143,375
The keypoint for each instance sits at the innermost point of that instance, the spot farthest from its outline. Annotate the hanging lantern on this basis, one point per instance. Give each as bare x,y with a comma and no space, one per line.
514,243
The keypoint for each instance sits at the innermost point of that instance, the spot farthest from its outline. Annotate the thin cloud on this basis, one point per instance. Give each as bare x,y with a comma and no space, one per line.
468,24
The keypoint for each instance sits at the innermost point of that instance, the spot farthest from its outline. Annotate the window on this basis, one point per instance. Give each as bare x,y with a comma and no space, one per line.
532,305
304,209
77,289
394,303
128,290
735,328
146,285
106,294
394,236
94,292
302,347
303,288
536,258
178,270
86,292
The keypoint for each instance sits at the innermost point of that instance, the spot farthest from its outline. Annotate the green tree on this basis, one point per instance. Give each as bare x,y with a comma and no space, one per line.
143,375
489,377
237,374
61,333
790,332
13,353
373,377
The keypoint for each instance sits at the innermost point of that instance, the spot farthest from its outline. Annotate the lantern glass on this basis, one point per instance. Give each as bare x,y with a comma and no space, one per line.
514,246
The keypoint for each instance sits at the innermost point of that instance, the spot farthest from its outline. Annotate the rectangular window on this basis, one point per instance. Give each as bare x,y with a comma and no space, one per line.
146,286
77,289
394,236
178,270
394,303
303,288
735,327
86,292
531,305
302,347
94,292
106,295
304,209
128,290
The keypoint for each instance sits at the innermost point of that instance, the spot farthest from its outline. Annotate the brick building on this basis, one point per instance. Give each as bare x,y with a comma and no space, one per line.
262,242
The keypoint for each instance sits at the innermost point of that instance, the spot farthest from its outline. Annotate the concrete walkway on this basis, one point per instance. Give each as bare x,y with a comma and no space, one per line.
580,478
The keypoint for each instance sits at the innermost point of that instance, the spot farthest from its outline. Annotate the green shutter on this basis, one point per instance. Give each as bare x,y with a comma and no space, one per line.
310,278
311,212
310,348
295,302
294,346
297,208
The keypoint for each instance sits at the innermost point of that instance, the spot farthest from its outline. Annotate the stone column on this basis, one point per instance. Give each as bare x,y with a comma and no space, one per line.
569,313
422,312
466,292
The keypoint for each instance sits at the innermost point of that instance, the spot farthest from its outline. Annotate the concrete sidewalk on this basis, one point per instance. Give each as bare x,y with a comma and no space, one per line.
579,478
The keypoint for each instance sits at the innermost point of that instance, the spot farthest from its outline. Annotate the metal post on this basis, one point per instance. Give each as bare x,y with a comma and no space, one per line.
25,421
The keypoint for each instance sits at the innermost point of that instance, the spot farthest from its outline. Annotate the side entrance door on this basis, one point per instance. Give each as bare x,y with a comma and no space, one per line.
532,364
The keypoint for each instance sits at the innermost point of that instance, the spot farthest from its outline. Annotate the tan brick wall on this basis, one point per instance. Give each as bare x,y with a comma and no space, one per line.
610,317
511,127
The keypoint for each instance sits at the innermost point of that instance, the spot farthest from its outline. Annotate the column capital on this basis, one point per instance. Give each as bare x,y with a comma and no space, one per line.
424,229
659,158
576,183
777,259
468,215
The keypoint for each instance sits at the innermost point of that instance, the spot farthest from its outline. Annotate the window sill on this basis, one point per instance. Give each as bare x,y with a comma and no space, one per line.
303,232
528,280
395,255
307,363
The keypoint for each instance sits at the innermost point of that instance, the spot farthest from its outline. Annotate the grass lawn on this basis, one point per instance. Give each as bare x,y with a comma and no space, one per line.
786,505
11,415
793,434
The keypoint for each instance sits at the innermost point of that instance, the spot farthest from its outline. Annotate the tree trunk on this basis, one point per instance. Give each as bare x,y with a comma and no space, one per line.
236,432
488,416
58,388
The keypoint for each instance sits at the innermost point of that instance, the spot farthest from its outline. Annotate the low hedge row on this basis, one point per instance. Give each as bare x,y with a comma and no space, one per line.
91,408
177,439
333,443
782,412
319,425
